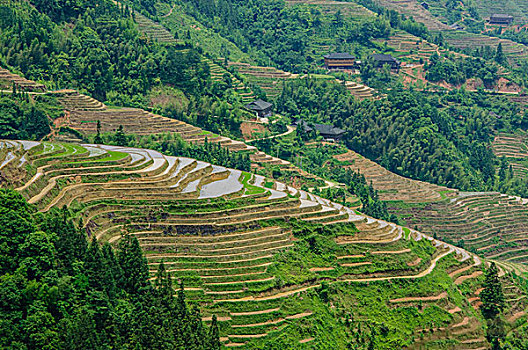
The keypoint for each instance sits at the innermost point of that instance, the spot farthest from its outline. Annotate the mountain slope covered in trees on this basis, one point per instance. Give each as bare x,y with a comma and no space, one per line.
194,255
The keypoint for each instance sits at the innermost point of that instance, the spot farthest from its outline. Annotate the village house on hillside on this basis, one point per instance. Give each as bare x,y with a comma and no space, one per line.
381,60
501,19
328,132
261,108
341,60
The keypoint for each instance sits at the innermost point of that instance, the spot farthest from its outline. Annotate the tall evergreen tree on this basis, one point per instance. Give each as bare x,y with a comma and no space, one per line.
98,139
120,138
492,296
133,263
214,335
500,57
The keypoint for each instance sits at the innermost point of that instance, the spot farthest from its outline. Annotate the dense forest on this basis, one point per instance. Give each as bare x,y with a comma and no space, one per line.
60,289
442,138
25,117
272,31
458,71
94,46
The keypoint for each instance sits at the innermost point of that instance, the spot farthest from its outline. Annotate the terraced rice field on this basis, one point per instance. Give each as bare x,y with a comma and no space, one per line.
466,40
515,148
517,8
154,30
414,9
72,100
84,112
393,187
411,47
222,232
330,7
271,80
490,224
455,38
7,79
217,74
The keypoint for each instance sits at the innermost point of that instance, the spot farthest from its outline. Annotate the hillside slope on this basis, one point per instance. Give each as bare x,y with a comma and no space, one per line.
490,224
242,248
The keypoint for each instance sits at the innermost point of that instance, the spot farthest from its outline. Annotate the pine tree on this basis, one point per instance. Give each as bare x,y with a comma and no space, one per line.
500,57
214,335
120,138
93,264
98,140
492,296
113,275
71,242
134,265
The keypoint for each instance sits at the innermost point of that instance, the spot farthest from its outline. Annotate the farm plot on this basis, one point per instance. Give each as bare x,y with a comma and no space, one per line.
223,232
8,79
414,9
491,224
392,187
84,112
271,80
514,147
330,7
154,30
465,40
218,73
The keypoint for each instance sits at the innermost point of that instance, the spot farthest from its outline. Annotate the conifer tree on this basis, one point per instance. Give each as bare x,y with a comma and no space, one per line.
500,57
93,265
134,265
492,296
214,335
98,140
120,138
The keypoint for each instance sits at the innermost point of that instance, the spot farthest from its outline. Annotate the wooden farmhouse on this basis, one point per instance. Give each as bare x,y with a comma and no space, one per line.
341,61
381,60
501,19
261,108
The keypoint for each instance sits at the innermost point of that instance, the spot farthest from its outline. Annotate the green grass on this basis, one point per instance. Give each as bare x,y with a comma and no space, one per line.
250,189
112,157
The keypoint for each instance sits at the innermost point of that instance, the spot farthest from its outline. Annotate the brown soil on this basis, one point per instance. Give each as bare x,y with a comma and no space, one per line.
442,295
250,130
461,279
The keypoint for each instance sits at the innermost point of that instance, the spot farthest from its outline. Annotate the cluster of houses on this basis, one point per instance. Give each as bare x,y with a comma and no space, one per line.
345,61
263,109
334,61
329,132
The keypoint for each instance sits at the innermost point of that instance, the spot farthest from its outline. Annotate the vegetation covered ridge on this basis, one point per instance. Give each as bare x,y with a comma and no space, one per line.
236,243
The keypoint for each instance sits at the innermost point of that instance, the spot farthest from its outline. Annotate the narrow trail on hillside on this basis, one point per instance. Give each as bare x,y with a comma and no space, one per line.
289,130
375,279
170,12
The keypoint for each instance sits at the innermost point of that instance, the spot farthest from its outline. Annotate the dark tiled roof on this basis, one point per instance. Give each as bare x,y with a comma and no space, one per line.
329,129
340,56
383,58
301,123
322,128
501,16
258,105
